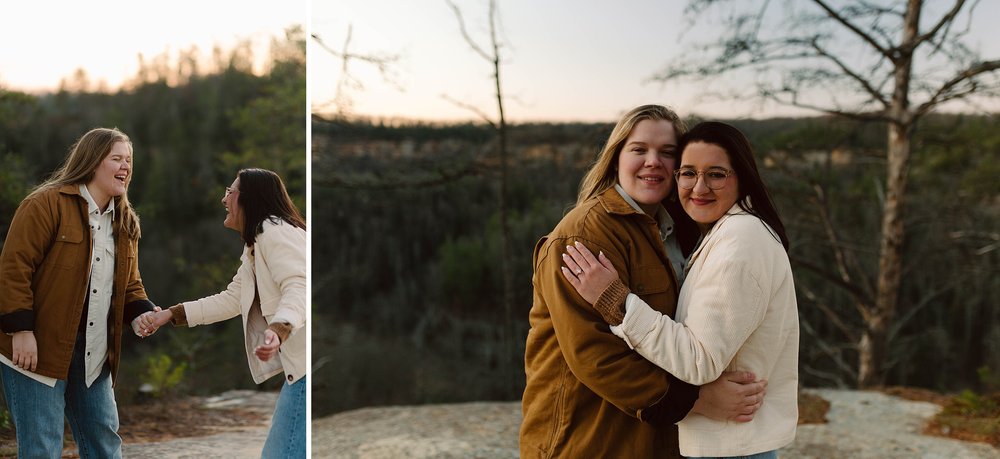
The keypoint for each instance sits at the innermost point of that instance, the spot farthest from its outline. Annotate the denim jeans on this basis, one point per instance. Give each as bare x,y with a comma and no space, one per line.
765,455
287,438
38,411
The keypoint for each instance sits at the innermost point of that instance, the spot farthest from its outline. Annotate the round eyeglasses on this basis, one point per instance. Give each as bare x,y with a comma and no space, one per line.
715,178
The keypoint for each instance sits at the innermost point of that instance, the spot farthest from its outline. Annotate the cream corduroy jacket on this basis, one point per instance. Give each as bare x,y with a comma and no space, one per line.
278,264
736,311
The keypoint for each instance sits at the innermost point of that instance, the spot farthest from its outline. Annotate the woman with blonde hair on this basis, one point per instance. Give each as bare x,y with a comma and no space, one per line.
69,282
587,393
269,293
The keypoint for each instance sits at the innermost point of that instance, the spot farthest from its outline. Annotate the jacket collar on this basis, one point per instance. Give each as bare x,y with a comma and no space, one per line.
614,204
70,189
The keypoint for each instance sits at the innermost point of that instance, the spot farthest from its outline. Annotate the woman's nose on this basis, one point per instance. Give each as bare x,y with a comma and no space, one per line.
701,185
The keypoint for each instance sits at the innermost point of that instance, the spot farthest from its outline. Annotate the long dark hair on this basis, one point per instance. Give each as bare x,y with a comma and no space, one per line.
263,196
753,195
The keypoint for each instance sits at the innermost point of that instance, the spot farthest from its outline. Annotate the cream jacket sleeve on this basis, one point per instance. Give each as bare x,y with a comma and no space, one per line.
722,302
216,308
282,247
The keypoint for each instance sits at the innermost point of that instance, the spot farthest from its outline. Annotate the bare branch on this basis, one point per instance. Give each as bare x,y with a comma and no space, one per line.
887,52
944,22
861,300
832,316
863,82
828,350
832,377
925,300
879,115
944,93
465,33
472,108
381,62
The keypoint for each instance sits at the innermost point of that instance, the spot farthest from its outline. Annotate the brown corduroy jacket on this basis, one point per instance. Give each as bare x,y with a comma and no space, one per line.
44,274
588,394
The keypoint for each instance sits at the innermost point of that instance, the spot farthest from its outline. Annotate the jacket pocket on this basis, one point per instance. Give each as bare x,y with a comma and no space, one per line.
649,280
68,250
655,286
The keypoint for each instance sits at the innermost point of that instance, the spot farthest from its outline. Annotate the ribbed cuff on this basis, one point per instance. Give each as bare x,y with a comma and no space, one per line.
282,329
16,321
611,304
178,317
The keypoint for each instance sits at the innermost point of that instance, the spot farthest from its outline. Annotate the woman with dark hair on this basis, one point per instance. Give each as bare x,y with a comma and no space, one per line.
587,394
737,308
269,292
69,284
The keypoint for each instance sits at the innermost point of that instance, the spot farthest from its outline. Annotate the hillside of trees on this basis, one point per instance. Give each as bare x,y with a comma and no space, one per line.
193,126
406,265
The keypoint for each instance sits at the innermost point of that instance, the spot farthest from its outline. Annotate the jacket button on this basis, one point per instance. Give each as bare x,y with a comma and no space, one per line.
640,288
289,377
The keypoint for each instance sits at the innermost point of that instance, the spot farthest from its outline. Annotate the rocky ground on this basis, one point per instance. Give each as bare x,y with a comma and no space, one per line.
861,425
231,425
242,439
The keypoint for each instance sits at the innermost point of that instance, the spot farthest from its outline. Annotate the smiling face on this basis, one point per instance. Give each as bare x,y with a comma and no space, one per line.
112,176
704,205
234,213
646,163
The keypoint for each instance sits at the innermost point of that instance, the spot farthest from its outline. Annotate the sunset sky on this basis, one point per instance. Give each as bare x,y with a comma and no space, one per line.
586,60
46,41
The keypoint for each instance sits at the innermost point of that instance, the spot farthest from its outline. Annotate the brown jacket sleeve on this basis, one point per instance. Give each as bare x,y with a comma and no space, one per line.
28,239
599,359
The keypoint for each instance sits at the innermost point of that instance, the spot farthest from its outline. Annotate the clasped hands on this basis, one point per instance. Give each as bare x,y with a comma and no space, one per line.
149,322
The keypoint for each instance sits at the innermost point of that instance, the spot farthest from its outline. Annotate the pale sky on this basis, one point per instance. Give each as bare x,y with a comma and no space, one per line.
45,41
583,60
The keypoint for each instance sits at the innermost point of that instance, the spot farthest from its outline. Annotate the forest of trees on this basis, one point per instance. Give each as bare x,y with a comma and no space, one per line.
407,286
193,126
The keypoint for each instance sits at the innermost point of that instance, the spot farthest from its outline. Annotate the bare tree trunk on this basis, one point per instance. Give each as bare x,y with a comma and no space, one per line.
507,275
874,342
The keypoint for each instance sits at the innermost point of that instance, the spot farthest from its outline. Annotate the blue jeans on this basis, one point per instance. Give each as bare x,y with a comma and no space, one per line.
287,438
765,455
38,410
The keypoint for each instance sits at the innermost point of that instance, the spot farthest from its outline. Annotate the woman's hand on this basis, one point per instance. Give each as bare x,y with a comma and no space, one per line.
589,275
270,347
25,350
735,396
147,323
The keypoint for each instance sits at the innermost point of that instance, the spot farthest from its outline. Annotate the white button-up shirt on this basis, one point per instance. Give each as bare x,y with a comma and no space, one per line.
102,276
667,235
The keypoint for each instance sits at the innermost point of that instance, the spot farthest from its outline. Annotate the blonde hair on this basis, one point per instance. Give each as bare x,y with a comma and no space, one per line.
603,174
83,160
